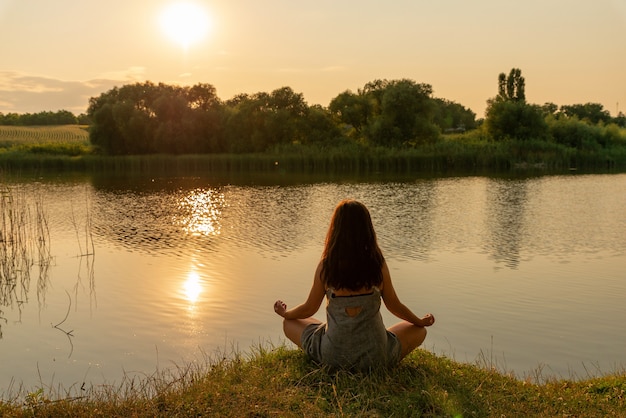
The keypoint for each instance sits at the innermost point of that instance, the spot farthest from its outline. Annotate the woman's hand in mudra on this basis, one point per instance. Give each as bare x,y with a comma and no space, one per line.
280,308
428,320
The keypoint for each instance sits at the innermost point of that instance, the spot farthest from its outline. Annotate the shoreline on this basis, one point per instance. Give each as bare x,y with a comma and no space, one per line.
316,162
52,149
281,381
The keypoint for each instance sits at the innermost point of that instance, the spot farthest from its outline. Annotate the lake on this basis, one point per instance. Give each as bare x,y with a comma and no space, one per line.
526,274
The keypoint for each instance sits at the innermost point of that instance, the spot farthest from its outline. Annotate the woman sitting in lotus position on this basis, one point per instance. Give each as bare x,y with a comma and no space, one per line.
353,275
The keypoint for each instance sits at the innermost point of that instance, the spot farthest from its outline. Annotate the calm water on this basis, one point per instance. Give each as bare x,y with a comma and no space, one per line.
525,274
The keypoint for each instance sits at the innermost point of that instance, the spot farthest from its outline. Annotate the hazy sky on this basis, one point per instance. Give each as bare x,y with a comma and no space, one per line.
56,54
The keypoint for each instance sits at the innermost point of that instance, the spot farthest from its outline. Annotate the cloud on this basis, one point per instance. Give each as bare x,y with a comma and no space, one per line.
26,93
11,82
129,75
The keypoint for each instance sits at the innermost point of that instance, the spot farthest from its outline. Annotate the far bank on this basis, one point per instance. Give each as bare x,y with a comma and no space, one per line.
446,156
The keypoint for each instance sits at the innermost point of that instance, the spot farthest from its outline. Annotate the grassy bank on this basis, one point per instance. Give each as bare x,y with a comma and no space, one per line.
52,149
281,382
440,158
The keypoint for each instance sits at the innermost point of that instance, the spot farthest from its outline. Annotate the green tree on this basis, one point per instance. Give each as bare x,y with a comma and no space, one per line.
263,120
351,109
400,112
286,114
174,133
509,116
572,132
104,133
60,117
240,119
516,120
513,87
11,119
123,119
146,118
83,119
320,128
549,108
451,116
591,112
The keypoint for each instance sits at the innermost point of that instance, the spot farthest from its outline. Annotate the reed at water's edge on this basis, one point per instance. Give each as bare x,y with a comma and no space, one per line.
282,382
444,156
24,247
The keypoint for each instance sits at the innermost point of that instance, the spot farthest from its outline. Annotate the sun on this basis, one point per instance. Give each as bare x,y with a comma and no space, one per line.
185,23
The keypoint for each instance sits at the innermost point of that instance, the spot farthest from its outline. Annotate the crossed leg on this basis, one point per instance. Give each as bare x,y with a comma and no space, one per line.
293,328
410,336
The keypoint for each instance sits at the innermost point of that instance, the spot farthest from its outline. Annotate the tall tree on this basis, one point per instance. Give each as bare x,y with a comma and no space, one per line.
509,116
512,87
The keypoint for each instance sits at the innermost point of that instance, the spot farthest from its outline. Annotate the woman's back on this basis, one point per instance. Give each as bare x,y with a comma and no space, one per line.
354,336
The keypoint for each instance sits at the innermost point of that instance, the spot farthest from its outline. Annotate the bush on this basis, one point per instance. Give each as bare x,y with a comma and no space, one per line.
614,135
572,132
514,119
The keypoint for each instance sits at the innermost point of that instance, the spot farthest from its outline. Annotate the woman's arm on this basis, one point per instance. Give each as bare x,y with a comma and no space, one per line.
393,304
312,304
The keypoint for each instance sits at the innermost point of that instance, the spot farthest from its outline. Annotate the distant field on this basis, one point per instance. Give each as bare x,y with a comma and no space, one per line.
68,134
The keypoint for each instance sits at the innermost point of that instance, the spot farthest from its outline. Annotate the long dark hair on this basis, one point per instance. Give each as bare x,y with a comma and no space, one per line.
351,258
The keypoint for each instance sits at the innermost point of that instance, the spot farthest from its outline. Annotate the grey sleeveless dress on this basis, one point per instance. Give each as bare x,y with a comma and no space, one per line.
360,342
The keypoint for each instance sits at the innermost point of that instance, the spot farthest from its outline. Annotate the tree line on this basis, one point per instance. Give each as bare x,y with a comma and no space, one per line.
147,118
144,118
61,117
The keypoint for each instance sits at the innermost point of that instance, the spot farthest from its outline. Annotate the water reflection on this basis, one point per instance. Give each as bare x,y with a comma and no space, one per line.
33,232
86,270
506,202
192,287
162,220
273,219
404,218
199,212
559,243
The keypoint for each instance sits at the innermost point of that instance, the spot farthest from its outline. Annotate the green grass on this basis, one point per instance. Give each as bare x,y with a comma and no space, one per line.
281,382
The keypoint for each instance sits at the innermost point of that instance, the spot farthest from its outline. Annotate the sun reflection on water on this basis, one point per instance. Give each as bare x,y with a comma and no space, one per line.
201,212
192,287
